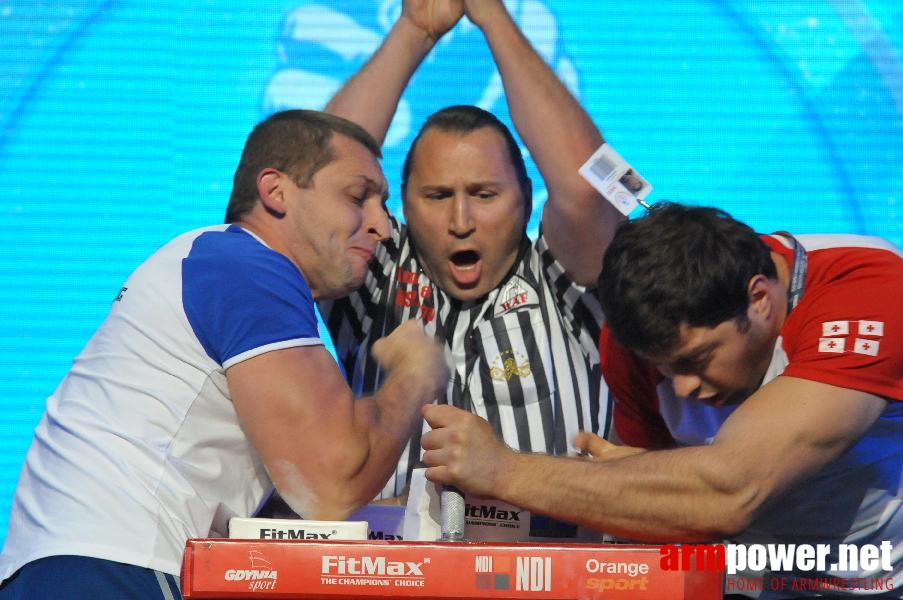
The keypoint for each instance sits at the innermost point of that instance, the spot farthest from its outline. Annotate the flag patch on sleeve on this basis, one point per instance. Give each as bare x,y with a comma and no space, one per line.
858,337
831,345
870,347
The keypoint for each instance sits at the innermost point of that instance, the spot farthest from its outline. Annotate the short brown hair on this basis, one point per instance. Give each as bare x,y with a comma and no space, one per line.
297,142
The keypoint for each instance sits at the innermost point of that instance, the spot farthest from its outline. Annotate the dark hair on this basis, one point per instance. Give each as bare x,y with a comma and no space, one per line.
297,142
465,119
678,265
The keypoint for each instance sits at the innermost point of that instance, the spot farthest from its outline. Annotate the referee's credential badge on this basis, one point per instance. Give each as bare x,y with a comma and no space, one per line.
516,294
615,179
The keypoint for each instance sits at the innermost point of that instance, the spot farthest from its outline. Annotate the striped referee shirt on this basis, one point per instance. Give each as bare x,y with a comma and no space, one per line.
525,356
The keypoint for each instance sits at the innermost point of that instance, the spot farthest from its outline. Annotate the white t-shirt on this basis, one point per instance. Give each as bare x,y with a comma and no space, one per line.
140,448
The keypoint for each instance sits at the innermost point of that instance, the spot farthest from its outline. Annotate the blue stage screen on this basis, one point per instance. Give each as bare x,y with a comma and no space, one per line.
121,123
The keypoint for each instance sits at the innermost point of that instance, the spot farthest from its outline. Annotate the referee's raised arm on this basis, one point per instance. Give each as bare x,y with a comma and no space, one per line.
576,221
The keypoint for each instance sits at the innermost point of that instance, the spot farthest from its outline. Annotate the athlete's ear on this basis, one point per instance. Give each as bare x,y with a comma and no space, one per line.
270,190
761,298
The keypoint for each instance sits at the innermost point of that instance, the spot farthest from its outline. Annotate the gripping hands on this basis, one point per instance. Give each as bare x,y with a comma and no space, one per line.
408,353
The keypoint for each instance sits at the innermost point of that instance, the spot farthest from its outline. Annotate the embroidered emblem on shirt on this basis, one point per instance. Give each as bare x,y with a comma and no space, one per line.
505,366
420,297
835,328
835,335
517,293
875,328
831,345
870,347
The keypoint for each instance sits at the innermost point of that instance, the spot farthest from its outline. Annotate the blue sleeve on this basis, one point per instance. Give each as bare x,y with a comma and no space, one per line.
242,298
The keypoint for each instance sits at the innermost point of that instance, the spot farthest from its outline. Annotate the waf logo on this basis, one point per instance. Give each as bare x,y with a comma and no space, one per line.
529,573
517,293
261,575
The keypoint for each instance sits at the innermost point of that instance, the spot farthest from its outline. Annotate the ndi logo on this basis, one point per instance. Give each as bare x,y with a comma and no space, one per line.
531,573
493,572
534,574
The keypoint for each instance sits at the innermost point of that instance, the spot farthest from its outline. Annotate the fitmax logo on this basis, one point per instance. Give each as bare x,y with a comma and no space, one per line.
294,534
380,535
492,513
370,565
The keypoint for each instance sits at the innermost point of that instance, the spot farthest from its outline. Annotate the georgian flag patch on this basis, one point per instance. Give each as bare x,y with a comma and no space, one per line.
869,347
831,345
835,328
858,337
873,328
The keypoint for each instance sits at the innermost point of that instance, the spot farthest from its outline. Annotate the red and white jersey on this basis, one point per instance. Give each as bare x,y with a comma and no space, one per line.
846,331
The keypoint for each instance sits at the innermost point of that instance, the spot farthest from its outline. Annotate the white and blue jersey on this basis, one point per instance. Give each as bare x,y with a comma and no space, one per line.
140,447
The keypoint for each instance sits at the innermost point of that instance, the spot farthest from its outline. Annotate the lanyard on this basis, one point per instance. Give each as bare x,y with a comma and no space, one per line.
798,274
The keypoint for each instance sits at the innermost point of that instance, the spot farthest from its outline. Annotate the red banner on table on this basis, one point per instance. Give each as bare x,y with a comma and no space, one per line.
224,568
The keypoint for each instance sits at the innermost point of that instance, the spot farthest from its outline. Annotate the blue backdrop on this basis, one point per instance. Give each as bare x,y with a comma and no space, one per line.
121,123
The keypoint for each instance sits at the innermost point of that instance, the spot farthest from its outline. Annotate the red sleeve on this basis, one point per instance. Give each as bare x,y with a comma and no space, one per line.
633,384
848,328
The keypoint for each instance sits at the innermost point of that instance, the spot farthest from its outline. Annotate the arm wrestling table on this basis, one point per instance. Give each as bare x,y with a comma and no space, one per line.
326,570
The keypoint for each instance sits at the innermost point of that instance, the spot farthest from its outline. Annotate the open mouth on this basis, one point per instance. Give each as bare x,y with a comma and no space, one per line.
465,259
465,268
